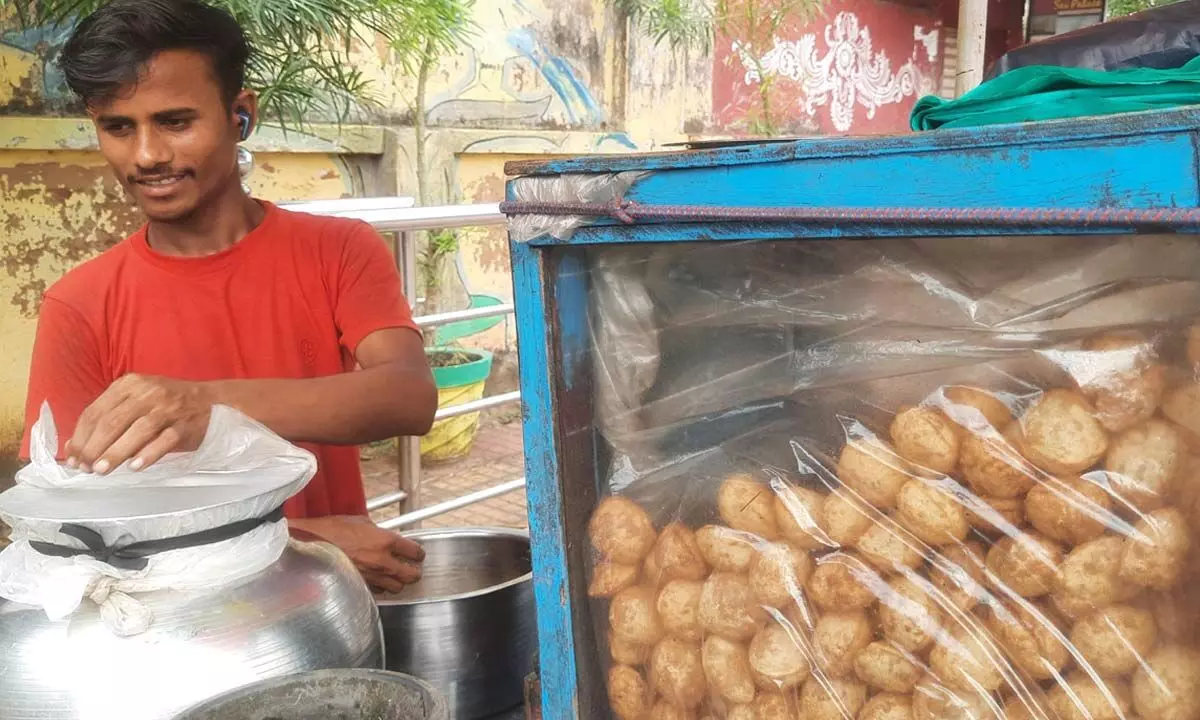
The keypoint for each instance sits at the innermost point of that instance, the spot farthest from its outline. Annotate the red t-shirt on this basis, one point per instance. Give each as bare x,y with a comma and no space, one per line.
292,299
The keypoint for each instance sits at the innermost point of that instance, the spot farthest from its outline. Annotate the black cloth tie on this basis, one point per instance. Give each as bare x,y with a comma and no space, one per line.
135,556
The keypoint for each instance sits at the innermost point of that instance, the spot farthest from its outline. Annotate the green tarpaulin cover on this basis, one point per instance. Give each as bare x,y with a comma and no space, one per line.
1042,92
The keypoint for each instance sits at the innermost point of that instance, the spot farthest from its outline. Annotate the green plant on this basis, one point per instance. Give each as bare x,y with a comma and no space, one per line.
437,249
303,64
754,25
1121,8
680,23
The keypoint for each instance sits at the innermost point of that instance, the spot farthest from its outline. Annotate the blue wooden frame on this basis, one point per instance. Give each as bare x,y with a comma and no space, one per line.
1132,161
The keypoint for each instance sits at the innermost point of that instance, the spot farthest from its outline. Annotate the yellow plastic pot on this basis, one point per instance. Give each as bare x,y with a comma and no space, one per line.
454,437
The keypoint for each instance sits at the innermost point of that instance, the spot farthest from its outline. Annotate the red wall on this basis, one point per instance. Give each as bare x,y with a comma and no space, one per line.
857,69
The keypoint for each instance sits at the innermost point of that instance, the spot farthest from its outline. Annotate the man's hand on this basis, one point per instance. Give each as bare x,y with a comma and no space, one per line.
386,560
140,418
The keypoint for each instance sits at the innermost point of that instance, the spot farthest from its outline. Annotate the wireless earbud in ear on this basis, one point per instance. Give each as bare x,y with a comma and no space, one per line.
243,123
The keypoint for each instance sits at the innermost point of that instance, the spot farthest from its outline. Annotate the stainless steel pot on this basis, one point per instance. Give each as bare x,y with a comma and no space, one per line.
308,611
354,694
468,627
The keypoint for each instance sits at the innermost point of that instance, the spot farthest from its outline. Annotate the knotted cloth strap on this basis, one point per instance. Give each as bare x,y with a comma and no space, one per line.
134,556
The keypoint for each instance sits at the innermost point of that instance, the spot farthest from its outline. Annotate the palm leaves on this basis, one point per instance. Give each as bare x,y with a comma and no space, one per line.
303,64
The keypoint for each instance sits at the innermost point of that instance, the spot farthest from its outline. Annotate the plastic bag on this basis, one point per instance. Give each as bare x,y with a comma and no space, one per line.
975,494
1162,38
241,472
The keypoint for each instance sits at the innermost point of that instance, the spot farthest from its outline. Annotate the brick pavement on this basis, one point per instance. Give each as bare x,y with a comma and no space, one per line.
497,457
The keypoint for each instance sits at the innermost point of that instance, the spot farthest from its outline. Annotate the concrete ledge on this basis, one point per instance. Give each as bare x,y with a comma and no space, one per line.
40,133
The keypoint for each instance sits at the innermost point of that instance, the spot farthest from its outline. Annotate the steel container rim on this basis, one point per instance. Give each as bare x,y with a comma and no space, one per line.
438,710
476,532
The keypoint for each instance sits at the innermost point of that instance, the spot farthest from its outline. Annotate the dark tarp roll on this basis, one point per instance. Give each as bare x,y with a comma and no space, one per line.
1161,38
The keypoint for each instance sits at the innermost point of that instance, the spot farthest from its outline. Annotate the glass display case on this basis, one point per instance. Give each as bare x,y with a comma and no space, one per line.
867,428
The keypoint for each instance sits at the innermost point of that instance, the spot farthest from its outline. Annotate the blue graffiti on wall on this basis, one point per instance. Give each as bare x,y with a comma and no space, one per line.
581,107
46,42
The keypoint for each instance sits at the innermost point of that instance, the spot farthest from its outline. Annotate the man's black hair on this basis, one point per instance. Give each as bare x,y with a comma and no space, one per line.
110,48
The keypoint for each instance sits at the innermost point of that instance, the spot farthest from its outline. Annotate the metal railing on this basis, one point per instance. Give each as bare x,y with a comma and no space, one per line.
398,215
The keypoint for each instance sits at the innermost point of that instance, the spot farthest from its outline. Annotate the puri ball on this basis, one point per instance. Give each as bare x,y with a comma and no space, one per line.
727,668
1069,511
725,549
910,616
883,666
993,465
748,505
1029,637
1155,555
633,616
776,706
926,437
1193,347
625,652
1116,639
798,515
664,710
621,530
996,516
974,408
958,575
873,470
1146,458
678,607
928,510
1061,433
889,549
1027,564
677,672
838,638
1084,699
775,655
728,607
628,694
842,581
1182,407
1090,578
777,574
1124,384
1130,399
887,706
1167,687
845,518
934,701
819,703
610,578
678,555
964,662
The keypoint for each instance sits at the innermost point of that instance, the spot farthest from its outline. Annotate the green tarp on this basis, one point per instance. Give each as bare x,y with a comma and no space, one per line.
1041,92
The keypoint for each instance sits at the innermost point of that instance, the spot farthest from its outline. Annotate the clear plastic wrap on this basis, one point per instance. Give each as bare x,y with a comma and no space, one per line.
240,473
582,188
912,479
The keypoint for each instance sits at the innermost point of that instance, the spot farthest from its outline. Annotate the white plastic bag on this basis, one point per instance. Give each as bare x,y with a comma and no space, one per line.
241,471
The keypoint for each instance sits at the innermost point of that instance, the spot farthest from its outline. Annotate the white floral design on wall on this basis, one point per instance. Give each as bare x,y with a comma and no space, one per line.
849,75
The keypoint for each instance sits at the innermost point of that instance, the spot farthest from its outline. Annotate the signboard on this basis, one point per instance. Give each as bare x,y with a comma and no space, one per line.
1079,6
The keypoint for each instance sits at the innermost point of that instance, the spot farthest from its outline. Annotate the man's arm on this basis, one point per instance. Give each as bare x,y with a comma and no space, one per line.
392,395
141,418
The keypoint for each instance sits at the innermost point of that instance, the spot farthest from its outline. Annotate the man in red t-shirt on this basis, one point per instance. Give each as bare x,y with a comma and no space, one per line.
220,298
